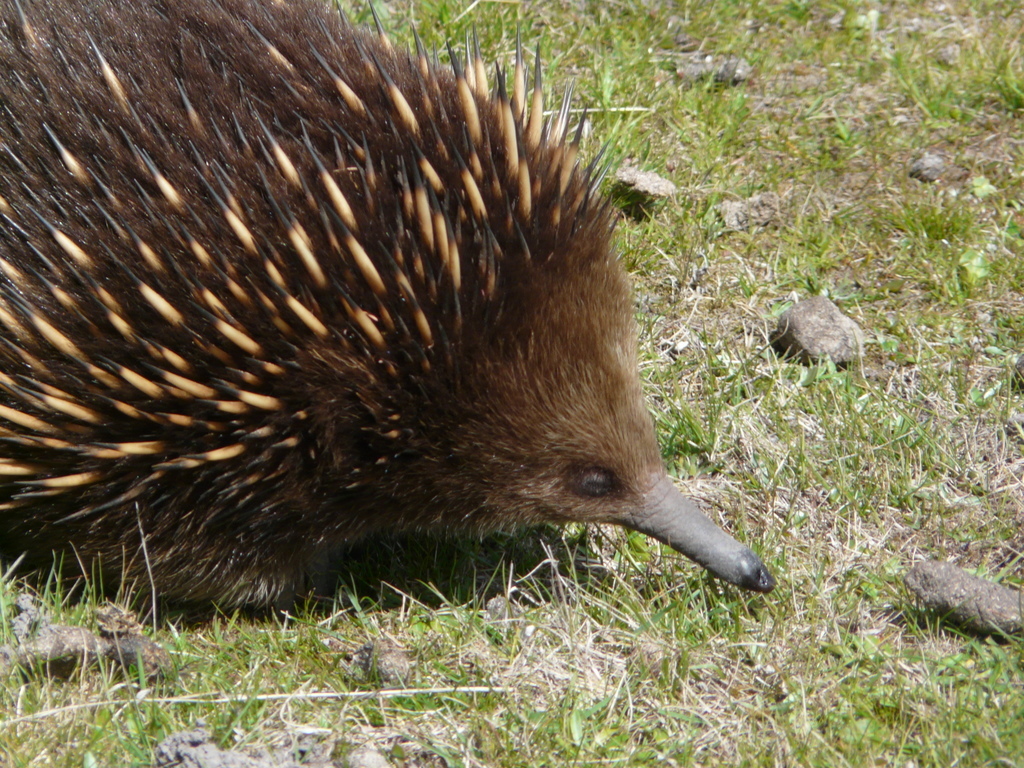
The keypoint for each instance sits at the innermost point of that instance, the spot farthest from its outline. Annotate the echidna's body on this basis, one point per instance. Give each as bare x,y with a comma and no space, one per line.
267,285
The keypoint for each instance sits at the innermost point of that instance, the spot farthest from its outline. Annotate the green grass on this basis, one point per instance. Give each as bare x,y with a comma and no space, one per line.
622,653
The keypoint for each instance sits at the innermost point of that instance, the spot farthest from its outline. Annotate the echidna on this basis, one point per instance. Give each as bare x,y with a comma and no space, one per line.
268,284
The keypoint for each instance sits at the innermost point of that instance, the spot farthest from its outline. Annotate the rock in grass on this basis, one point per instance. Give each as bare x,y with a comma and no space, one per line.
198,749
948,55
59,650
725,70
815,329
1015,427
1018,373
975,604
640,192
385,661
499,609
366,757
758,211
927,168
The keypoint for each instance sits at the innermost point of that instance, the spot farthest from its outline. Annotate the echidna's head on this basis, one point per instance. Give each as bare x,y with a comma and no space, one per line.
567,435
538,416
557,394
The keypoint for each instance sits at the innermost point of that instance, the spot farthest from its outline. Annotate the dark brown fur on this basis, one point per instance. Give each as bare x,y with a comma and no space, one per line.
220,468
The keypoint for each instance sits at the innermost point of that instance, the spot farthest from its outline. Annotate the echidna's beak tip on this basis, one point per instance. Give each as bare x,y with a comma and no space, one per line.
670,517
754,575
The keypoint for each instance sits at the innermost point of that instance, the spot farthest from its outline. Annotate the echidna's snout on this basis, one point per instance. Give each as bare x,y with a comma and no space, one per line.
671,518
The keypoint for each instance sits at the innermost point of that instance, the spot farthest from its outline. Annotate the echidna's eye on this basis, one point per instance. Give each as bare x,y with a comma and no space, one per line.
596,482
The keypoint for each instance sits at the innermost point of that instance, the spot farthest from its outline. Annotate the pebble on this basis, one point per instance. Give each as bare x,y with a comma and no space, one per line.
815,329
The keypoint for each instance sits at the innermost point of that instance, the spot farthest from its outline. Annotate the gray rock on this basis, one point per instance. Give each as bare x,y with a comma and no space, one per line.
972,603
815,329
757,211
929,167
59,650
366,757
727,70
384,660
644,182
639,193
499,608
30,619
733,70
196,749
948,55
1018,372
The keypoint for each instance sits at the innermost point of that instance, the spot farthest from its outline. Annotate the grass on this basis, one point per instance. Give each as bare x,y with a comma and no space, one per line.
620,652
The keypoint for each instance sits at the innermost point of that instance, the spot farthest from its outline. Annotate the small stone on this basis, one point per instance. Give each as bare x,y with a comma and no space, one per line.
734,214
30,619
639,192
59,650
366,757
928,168
1018,372
645,182
384,660
114,621
732,71
1015,427
139,651
815,329
695,67
500,609
948,55
726,70
970,602
197,749
758,211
